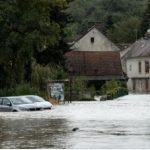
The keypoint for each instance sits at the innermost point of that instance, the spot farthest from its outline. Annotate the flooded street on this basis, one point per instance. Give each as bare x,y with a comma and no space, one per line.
122,123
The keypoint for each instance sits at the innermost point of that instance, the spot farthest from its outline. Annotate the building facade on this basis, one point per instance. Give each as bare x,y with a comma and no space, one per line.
94,57
136,64
138,71
89,65
94,40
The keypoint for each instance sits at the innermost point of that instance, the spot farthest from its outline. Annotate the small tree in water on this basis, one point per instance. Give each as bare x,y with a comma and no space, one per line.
78,88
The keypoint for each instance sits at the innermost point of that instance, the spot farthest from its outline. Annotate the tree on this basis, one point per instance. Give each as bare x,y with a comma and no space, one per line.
145,25
111,12
125,31
28,27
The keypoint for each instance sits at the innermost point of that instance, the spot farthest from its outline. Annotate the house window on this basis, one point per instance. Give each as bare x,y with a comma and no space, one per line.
130,67
134,85
146,66
92,40
140,67
146,84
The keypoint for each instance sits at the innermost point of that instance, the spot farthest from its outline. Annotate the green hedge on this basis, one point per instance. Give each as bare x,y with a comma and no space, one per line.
21,89
113,89
7,92
26,89
117,92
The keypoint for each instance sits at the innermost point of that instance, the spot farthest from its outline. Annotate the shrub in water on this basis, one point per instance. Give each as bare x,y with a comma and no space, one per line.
114,89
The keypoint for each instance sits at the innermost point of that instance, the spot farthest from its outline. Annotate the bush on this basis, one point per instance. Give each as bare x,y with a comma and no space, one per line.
41,74
78,88
114,89
7,92
115,93
25,89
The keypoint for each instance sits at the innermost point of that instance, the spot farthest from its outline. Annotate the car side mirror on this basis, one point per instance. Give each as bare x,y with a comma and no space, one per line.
9,104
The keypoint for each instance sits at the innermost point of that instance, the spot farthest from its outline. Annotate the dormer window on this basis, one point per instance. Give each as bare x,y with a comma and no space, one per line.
92,40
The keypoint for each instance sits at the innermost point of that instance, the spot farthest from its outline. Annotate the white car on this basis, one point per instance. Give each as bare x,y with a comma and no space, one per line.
16,103
39,102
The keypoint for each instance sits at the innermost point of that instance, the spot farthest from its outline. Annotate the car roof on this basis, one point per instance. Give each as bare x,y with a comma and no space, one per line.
9,96
29,95
16,96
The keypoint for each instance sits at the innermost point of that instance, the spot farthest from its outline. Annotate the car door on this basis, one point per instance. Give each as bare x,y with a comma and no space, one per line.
1,104
6,105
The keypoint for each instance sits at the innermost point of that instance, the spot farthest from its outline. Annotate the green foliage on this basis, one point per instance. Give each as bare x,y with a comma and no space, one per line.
7,92
109,85
145,24
114,89
20,89
41,74
117,92
78,88
125,31
28,28
114,13
57,73
25,89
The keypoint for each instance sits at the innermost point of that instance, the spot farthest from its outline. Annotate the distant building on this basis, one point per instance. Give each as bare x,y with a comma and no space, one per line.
136,64
94,57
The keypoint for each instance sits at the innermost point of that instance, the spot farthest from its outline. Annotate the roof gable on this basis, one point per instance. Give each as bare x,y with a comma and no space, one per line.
101,43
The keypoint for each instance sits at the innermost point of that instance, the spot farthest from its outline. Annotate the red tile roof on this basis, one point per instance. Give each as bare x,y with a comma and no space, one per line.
89,63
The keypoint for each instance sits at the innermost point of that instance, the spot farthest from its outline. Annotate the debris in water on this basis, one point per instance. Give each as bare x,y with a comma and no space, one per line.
75,129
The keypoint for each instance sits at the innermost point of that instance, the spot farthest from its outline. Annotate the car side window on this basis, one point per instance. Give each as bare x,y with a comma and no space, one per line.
1,101
6,102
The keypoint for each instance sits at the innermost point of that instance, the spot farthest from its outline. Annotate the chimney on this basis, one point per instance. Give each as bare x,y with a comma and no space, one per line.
99,25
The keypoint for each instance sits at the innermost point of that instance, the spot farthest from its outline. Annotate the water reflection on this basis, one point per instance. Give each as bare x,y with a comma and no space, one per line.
37,133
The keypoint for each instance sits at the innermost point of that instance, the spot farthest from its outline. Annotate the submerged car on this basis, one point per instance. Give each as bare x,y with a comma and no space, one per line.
15,103
39,102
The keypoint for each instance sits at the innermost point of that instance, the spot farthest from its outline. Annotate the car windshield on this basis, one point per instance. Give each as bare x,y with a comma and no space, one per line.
35,99
20,101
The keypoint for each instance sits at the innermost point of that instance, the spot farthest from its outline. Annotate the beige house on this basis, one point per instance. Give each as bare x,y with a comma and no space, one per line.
94,57
94,40
136,64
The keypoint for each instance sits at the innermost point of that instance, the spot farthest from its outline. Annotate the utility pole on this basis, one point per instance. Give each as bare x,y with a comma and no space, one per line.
70,92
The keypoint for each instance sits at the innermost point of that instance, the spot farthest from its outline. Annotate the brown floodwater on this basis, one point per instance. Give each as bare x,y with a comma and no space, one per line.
111,124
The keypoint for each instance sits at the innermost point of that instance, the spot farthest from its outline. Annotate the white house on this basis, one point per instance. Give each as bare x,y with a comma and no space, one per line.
136,64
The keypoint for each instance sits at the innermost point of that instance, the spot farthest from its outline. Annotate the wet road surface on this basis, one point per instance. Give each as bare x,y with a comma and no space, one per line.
111,124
